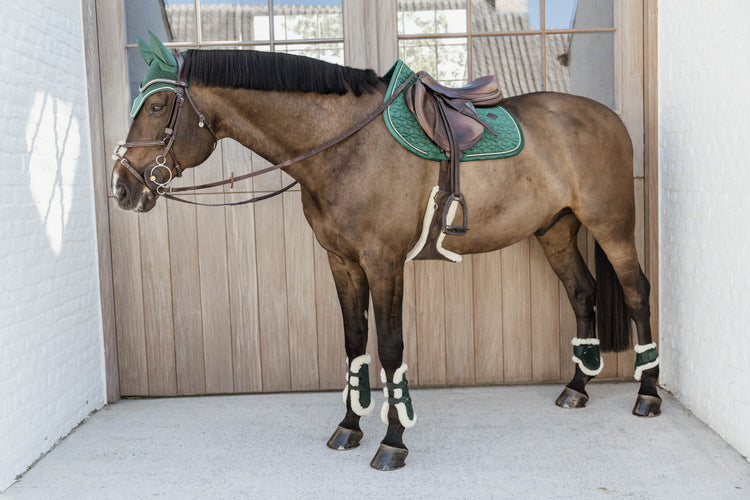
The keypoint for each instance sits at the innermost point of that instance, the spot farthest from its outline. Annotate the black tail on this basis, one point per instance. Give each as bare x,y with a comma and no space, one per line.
612,319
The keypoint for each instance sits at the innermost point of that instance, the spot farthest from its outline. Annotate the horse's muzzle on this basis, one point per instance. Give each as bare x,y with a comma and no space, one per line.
133,196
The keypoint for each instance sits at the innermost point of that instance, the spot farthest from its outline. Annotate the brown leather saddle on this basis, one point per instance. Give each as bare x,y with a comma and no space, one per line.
449,118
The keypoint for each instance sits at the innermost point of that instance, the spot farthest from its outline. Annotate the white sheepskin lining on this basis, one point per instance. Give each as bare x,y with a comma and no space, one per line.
639,349
355,366
426,222
403,416
586,371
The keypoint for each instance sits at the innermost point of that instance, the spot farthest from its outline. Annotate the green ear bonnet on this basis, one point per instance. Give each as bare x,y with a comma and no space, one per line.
161,64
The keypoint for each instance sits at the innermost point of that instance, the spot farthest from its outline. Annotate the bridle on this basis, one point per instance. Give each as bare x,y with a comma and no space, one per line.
161,187
152,181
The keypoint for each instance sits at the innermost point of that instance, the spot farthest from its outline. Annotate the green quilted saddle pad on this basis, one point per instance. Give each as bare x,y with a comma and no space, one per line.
405,128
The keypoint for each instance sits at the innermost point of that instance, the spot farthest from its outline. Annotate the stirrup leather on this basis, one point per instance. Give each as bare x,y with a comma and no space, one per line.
358,385
400,398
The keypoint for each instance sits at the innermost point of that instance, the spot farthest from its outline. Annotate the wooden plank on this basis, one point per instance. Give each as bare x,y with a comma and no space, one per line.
488,317
157,302
101,205
330,325
387,18
128,293
629,37
214,293
517,314
300,285
186,298
651,158
272,298
430,322
361,47
545,316
243,296
209,171
236,158
459,322
267,182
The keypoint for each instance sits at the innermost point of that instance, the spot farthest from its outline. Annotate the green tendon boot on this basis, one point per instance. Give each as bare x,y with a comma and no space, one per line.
586,356
400,398
358,385
646,357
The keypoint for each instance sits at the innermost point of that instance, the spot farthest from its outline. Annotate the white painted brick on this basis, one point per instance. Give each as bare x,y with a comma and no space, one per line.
704,198
51,353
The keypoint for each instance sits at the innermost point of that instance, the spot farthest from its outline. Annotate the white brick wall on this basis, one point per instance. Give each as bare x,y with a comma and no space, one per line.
704,198
51,353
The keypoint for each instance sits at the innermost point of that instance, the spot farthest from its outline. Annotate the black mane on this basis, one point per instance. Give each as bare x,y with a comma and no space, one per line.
276,71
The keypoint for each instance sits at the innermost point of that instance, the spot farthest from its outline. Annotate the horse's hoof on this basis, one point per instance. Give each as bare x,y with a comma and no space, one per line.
647,406
570,398
344,439
389,458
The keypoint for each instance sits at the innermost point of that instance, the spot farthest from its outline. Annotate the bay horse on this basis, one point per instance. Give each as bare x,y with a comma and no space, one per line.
365,198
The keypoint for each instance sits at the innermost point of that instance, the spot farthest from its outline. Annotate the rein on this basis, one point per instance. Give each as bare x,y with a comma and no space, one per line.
162,188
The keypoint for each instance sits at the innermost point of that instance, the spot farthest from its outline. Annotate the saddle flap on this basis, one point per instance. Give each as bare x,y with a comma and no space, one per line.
468,129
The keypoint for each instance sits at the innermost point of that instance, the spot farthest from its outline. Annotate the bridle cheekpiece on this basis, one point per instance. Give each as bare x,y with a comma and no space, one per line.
155,180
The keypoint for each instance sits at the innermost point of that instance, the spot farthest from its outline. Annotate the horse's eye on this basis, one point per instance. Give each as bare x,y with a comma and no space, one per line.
155,108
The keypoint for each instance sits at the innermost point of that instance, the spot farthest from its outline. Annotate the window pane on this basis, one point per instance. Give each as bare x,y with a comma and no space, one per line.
306,20
493,16
579,14
423,17
582,64
331,52
243,20
171,20
516,60
444,59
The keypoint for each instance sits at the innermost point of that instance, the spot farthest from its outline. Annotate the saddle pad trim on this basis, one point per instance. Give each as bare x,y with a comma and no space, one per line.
397,74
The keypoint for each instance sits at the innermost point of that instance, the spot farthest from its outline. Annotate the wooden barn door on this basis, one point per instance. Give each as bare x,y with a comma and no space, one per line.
240,299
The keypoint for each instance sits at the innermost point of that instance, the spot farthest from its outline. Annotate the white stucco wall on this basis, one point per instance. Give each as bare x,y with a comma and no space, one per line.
704,214
51,353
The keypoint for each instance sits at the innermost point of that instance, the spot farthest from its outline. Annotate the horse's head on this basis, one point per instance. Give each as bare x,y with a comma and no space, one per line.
164,137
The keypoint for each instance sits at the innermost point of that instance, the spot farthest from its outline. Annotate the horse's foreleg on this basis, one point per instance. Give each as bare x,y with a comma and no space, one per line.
387,285
560,246
353,293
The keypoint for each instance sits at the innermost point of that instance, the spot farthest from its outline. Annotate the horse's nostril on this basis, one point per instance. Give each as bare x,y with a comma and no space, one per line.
121,192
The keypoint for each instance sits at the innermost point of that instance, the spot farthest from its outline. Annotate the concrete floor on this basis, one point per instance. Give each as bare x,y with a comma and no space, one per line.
486,442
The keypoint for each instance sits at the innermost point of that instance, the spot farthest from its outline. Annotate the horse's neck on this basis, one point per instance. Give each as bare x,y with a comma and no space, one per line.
280,125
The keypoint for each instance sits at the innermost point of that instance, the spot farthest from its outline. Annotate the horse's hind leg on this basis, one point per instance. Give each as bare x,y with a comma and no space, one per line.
559,243
621,253
353,292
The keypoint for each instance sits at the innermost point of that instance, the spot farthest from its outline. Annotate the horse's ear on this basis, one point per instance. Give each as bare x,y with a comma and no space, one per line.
146,52
161,53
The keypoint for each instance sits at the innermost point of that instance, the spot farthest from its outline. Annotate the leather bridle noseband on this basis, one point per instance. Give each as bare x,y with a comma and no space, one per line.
152,181
161,187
